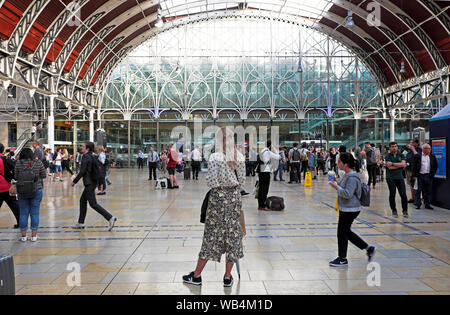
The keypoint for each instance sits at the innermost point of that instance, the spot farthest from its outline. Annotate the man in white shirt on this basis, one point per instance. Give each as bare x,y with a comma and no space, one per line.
140,160
152,161
264,171
196,158
423,170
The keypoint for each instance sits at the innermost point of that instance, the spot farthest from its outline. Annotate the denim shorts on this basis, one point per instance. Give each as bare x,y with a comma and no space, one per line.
58,168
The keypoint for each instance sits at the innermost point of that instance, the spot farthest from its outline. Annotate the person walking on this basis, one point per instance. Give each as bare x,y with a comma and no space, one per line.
152,161
29,194
38,153
424,168
253,158
395,162
6,175
264,171
349,205
65,165
90,175
196,158
223,231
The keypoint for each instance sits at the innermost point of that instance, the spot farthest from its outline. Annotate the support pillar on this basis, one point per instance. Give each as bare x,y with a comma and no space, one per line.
129,143
356,132
91,126
51,123
376,129
392,129
299,132
158,143
75,137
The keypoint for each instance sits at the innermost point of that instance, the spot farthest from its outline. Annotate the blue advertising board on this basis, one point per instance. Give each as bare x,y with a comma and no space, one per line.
439,146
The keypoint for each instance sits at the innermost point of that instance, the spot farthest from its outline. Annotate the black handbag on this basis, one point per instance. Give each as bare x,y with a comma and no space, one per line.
204,207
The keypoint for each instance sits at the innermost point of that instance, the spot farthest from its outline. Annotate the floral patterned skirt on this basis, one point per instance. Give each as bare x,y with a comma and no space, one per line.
223,232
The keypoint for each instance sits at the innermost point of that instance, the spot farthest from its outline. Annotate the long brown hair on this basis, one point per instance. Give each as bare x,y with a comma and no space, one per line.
225,144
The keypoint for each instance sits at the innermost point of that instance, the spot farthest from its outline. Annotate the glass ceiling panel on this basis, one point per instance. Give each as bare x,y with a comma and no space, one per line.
305,8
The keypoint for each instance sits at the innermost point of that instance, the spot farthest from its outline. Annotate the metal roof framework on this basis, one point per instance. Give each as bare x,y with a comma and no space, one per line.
67,48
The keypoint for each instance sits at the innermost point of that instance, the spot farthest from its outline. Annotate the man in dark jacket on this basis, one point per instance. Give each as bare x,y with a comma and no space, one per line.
90,180
424,169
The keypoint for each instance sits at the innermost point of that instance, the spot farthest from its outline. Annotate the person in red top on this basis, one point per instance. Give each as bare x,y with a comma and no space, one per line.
172,159
5,185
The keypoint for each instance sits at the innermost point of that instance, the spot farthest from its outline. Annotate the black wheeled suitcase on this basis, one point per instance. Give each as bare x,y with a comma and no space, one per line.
187,173
293,178
7,276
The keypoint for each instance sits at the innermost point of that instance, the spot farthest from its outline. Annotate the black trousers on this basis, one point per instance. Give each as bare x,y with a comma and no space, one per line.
345,233
264,183
12,204
152,170
102,182
65,165
140,163
372,170
304,168
424,186
195,169
88,195
394,185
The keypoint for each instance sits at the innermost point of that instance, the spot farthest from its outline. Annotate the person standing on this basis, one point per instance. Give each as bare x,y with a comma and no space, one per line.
196,158
280,168
264,171
253,158
57,158
412,150
101,156
90,176
30,201
371,164
38,153
424,169
349,205
172,161
223,230
152,161
395,162
140,160
6,175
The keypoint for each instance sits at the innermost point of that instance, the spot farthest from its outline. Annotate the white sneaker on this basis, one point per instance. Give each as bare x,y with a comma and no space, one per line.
79,226
34,238
112,221
24,239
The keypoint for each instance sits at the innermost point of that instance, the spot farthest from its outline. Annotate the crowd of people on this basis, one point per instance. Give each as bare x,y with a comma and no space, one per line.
228,166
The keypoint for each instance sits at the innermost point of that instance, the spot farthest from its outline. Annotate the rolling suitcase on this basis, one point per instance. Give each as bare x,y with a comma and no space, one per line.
293,176
7,276
187,173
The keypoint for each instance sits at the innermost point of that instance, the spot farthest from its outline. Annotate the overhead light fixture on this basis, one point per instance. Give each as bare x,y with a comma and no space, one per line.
300,68
402,67
350,22
159,21
12,91
32,91
352,94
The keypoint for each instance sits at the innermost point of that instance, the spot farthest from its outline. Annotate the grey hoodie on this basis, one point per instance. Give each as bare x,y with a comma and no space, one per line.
349,193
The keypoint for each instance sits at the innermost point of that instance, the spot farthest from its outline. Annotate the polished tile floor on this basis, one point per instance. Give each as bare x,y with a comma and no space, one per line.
158,237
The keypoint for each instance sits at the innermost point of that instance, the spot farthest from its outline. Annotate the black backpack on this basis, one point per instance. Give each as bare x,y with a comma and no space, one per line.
97,169
295,155
26,181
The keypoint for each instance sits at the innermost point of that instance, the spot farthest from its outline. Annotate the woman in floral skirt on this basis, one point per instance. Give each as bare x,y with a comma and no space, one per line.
223,231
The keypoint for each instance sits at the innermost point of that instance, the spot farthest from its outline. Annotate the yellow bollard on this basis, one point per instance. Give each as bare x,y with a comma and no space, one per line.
308,180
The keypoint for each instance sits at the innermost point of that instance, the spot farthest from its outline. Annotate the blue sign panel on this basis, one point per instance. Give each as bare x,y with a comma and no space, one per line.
440,151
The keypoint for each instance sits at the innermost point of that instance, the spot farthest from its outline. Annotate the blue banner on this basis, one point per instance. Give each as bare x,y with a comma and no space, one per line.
440,151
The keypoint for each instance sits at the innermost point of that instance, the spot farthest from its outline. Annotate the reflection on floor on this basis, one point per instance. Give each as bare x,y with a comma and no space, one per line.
158,237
